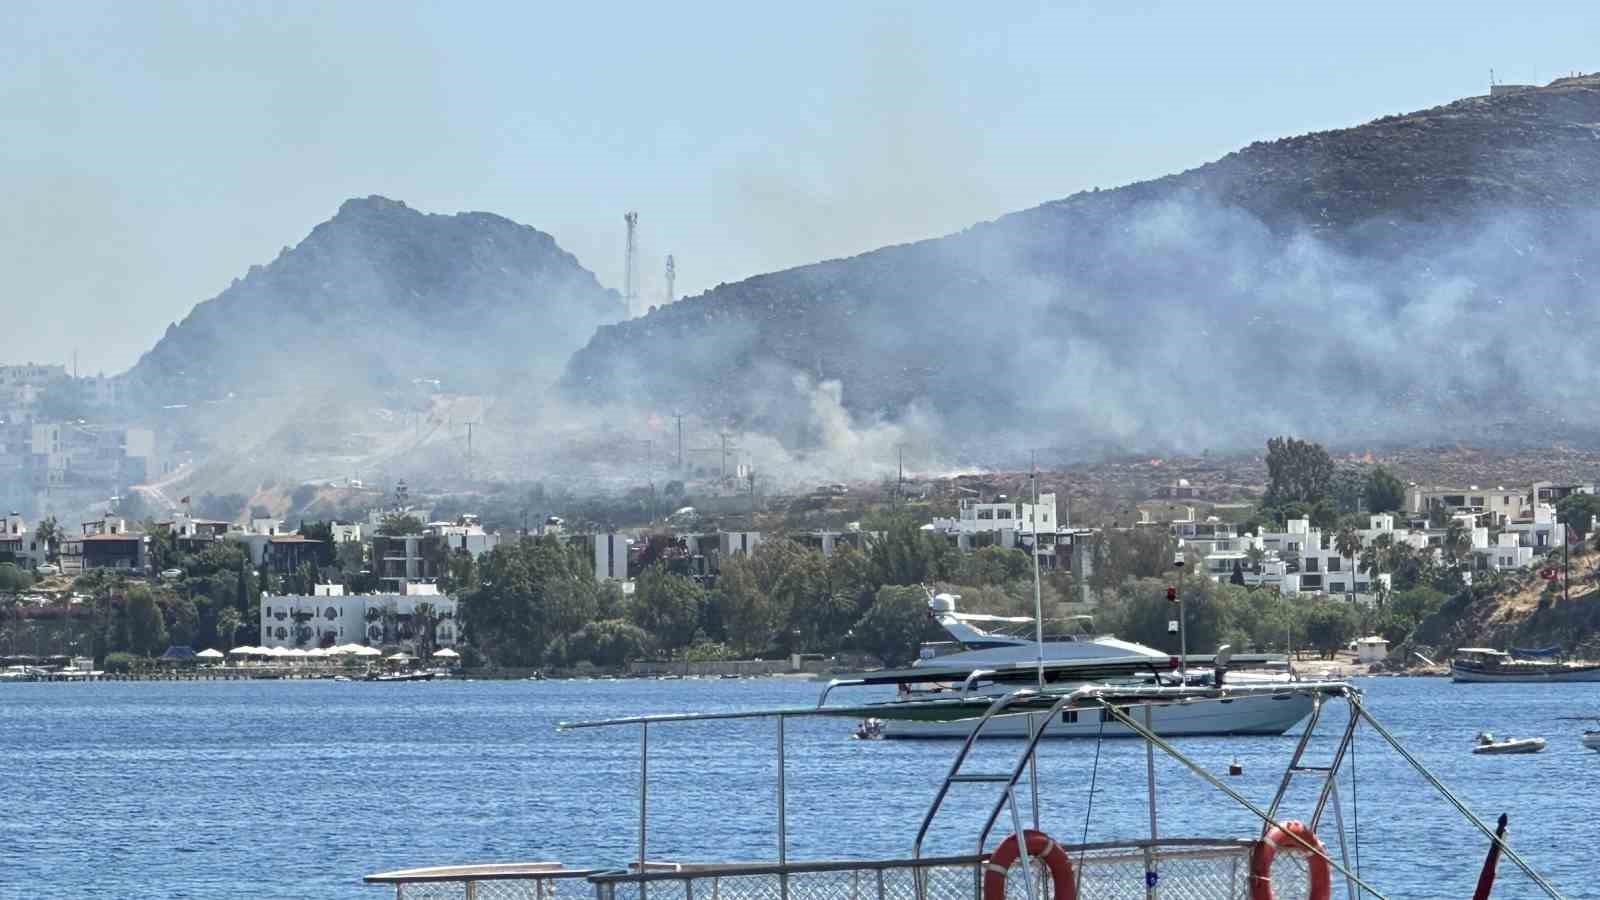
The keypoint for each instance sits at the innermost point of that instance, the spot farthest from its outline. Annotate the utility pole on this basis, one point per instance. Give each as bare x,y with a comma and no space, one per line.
630,287
900,477
679,417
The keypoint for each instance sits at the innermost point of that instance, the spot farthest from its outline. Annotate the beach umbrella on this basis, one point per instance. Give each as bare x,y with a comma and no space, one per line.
246,650
209,654
399,657
369,651
446,653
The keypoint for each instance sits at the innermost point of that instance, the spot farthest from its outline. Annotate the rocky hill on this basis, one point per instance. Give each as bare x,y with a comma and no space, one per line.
1527,611
1415,278
379,297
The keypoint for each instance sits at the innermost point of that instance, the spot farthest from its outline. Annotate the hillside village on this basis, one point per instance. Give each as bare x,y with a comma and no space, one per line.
402,581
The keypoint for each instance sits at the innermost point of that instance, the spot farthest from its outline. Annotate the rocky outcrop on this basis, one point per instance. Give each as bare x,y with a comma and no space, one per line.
381,296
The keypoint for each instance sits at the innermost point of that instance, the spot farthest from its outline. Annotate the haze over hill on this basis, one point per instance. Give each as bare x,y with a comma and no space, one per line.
1418,277
381,295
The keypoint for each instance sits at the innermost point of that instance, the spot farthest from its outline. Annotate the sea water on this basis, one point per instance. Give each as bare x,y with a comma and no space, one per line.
295,789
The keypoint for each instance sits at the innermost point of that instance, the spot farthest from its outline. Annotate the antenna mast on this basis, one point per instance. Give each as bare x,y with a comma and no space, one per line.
630,280
672,274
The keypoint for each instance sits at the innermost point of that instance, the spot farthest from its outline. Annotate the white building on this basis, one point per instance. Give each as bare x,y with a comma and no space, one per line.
331,617
1371,650
978,517
464,535
19,544
1499,505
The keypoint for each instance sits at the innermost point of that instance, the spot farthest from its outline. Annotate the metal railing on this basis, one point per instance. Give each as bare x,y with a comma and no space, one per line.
511,881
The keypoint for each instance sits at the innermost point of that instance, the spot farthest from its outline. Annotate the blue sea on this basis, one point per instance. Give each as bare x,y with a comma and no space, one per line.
295,789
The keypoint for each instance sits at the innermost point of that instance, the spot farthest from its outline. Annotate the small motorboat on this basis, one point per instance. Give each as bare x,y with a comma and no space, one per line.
1591,739
1488,743
869,730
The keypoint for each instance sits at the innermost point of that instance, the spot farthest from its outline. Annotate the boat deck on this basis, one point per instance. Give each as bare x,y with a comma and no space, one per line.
1193,868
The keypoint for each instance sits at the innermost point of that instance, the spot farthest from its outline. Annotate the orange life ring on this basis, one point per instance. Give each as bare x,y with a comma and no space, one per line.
1262,853
1041,845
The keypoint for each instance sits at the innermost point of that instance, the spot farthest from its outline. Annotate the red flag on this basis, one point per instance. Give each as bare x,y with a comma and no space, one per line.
1486,877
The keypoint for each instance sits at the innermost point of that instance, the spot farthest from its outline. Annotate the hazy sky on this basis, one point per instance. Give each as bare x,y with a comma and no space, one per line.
153,152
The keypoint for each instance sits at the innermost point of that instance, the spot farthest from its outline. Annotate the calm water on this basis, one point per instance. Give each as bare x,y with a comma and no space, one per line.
297,789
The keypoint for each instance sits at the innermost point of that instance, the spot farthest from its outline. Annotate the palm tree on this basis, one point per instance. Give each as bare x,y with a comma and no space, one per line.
424,620
1255,554
1348,543
49,534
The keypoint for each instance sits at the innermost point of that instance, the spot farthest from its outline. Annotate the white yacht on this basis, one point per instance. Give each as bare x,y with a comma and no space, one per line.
981,642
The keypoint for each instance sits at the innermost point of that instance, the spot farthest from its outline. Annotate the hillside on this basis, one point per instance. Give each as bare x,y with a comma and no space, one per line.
1527,611
381,295
1405,280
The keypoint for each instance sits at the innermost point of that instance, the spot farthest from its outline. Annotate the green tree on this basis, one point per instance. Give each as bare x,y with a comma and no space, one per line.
1384,492
610,642
1577,511
905,554
1329,626
228,627
395,525
49,535
739,612
322,532
182,620
14,578
1237,578
146,628
994,565
895,625
530,593
1297,472
667,607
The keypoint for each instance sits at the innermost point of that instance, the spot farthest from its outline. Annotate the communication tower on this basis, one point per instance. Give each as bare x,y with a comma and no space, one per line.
672,274
630,274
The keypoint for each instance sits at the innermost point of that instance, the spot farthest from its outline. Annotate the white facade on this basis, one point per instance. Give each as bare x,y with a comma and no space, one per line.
21,543
329,618
1371,650
975,517
1499,503
463,536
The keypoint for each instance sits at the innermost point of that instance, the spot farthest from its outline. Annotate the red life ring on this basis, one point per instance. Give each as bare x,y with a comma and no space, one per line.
1040,845
1265,849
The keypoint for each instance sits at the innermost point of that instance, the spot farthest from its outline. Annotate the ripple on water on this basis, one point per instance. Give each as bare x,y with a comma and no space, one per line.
297,789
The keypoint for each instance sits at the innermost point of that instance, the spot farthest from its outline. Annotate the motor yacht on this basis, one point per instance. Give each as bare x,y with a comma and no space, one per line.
1068,658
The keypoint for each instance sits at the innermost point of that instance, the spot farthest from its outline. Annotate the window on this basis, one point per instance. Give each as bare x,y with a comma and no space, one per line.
1336,587
1311,563
1311,582
1333,564
1002,514
1069,717
330,614
986,514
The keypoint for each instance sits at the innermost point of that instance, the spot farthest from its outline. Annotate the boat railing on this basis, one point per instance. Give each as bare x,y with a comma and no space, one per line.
494,881
1191,868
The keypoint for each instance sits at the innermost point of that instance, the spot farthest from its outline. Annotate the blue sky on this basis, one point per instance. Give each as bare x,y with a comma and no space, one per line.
153,152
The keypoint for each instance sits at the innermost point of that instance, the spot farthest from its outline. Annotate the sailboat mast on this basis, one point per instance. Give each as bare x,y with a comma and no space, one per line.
1038,603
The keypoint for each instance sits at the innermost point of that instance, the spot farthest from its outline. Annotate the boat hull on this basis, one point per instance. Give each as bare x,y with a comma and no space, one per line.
1498,675
1505,748
1259,715
1591,739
